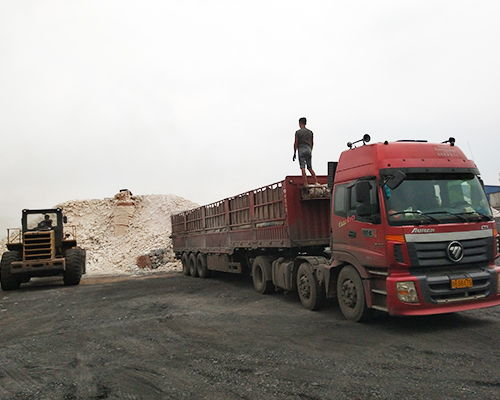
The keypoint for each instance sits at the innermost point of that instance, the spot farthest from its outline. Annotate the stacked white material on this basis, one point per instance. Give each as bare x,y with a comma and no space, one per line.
496,213
495,200
149,229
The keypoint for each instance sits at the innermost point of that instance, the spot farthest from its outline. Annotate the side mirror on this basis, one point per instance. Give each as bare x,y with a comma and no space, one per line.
65,219
397,179
363,192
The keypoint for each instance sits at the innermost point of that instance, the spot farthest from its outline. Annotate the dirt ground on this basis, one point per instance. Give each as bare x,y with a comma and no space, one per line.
175,337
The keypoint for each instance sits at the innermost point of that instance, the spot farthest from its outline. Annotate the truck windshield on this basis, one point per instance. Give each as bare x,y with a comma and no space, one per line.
437,198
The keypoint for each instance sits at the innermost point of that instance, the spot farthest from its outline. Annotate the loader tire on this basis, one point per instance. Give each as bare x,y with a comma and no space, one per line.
7,280
75,259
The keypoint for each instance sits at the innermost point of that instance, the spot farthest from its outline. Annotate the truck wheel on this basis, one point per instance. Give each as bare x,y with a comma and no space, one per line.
201,266
185,263
351,295
192,265
311,293
75,259
7,280
261,272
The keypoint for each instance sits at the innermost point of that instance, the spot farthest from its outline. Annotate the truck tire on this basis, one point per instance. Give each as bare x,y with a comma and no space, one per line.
261,274
192,265
185,263
351,295
75,259
7,280
201,266
311,293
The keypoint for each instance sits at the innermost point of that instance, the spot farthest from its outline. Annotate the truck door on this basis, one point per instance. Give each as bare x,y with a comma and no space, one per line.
357,230
366,229
339,218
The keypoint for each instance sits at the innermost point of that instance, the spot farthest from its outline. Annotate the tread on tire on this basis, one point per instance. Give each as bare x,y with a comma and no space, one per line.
75,259
351,295
311,293
7,280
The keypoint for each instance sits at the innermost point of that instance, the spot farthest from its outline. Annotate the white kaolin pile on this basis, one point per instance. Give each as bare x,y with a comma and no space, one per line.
123,232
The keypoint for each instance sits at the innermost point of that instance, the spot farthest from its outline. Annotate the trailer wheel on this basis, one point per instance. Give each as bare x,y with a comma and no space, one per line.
185,263
7,280
311,293
351,295
261,274
75,259
192,265
201,266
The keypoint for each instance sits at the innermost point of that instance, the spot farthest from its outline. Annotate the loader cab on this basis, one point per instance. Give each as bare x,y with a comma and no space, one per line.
37,222
44,219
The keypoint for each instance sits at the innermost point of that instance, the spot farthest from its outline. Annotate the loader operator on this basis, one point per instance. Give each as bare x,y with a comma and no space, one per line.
304,144
46,223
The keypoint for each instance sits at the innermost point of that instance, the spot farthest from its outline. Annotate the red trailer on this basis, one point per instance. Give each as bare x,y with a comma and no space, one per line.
283,218
401,227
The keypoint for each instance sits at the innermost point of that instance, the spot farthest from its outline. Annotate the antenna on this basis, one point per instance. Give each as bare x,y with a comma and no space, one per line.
366,138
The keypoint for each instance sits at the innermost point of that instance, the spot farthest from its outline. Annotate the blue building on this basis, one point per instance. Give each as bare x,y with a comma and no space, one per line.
493,193
489,189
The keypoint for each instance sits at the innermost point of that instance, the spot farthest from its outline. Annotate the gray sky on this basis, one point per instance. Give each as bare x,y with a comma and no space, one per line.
201,98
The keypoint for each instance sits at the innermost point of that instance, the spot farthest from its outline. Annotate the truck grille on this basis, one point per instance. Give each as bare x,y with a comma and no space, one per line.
433,254
439,286
38,245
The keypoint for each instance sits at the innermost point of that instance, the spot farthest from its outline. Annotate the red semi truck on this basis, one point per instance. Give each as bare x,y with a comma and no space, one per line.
401,227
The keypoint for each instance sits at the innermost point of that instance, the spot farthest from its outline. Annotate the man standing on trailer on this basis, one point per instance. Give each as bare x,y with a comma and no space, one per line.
304,144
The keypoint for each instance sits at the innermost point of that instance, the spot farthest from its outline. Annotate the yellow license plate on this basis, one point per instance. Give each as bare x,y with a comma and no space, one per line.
461,283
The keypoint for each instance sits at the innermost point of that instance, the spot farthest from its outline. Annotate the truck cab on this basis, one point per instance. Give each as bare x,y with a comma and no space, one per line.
412,227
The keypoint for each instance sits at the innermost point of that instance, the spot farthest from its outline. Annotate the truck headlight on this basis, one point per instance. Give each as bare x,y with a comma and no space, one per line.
407,292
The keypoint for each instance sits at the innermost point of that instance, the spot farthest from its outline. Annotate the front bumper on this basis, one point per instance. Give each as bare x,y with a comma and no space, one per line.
436,296
35,266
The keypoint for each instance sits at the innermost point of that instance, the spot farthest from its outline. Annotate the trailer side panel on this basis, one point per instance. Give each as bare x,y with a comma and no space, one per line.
273,216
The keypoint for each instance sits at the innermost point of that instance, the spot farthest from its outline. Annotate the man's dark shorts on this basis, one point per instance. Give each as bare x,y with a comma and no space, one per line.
305,157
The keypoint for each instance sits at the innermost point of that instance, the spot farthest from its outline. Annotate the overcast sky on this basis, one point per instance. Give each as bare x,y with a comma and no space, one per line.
201,98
